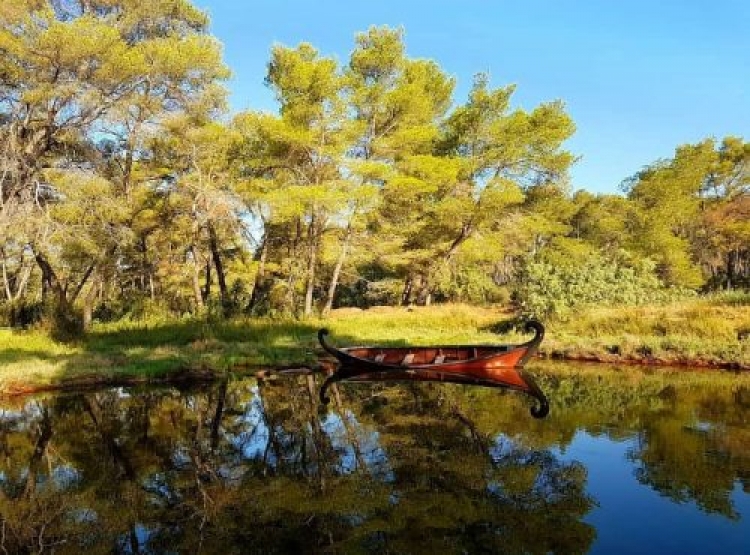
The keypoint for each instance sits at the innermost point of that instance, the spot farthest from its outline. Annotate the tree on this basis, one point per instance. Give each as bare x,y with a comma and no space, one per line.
484,160
206,210
676,196
296,160
75,72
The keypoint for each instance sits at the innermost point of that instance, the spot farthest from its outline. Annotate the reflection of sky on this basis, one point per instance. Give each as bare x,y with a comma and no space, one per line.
65,476
356,437
21,419
630,515
253,442
142,535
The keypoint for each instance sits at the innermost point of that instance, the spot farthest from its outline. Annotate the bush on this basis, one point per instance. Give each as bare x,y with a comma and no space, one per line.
557,289
66,323
22,314
383,292
464,283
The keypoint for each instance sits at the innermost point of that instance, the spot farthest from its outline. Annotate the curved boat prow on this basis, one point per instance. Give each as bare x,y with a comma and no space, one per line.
343,371
322,332
532,346
324,398
542,409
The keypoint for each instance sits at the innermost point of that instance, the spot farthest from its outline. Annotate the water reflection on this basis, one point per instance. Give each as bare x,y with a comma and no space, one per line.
245,466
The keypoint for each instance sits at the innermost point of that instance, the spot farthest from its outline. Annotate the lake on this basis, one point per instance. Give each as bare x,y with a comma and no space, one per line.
629,461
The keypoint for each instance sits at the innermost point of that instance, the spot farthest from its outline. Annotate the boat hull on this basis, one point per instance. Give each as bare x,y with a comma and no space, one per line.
484,365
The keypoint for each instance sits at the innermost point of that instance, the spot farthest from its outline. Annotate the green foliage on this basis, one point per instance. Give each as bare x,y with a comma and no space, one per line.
730,298
128,193
572,276
691,211
66,323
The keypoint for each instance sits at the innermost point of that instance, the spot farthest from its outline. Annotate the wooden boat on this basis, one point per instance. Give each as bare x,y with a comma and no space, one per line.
485,365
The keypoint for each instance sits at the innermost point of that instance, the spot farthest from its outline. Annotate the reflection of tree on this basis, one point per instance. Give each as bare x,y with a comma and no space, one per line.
239,468
691,437
695,450
458,492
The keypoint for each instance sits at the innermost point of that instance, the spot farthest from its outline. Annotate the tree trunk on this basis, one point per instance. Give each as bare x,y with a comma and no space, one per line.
466,232
23,282
197,293
260,276
219,266
207,285
337,271
731,268
8,292
312,262
406,294
89,300
89,271
145,266
49,279
424,295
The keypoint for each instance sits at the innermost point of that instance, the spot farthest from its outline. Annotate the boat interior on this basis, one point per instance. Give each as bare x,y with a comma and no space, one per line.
407,356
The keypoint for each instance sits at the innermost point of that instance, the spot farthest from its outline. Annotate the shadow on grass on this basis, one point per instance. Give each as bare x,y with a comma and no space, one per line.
158,351
205,343
202,348
506,327
12,356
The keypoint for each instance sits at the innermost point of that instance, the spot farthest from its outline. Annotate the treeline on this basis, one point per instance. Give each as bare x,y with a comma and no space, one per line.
128,188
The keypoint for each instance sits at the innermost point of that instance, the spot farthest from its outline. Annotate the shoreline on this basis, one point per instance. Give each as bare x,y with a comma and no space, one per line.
188,376
697,335
614,360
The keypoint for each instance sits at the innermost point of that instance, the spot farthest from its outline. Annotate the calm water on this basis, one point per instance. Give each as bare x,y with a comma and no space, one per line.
627,462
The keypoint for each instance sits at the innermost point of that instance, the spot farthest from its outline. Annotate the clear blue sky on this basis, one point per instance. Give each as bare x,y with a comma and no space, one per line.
639,77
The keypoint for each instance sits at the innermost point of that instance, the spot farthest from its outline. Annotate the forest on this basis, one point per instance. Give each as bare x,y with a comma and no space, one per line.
129,189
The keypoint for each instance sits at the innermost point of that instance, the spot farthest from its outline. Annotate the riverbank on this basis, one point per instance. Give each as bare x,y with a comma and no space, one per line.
700,333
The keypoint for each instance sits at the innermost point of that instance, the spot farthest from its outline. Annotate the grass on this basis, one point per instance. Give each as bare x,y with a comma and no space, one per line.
700,332
707,331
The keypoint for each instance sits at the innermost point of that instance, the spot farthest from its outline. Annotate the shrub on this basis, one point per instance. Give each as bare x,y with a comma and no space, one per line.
468,283
384,292
66,323
22,314
556,286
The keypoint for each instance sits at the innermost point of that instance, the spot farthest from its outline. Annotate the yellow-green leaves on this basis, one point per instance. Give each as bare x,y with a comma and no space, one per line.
306,85
82,87
195,58
499,194
684,202
379,54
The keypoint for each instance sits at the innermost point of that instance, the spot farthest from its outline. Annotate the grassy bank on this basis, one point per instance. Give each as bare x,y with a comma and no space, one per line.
713,331
700,332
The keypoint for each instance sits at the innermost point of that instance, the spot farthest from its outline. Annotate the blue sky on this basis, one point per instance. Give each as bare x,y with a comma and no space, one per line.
639,77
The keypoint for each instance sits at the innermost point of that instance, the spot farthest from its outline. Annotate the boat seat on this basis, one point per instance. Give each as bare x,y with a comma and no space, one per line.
408,359
380,357
439,359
